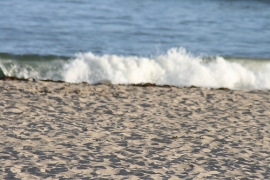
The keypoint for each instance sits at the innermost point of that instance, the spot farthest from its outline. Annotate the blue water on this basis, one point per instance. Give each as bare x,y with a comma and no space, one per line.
235,30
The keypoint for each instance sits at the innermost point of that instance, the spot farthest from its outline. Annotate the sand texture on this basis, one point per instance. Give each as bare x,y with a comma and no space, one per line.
52,130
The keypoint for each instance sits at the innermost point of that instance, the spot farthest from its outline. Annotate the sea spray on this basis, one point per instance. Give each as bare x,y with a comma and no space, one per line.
118,69
176,67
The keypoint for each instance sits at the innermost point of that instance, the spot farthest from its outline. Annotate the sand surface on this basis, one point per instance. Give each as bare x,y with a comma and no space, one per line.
54,130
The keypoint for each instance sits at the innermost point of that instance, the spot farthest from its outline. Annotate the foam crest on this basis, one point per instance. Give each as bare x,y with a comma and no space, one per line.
176,67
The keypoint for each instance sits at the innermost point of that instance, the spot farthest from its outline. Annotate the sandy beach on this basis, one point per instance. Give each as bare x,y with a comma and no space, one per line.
53,130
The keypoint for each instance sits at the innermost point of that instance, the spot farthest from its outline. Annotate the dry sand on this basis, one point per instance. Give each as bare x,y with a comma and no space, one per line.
54,130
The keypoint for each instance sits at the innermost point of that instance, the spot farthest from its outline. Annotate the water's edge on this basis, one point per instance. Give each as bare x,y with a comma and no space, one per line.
177,68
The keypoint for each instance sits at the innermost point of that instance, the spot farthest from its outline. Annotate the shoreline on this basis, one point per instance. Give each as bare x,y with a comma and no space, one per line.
107,82
73,131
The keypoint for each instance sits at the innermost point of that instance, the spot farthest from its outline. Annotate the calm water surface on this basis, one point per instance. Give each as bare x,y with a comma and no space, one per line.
234,28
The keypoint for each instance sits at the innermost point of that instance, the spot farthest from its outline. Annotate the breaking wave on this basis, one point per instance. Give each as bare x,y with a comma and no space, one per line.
176,67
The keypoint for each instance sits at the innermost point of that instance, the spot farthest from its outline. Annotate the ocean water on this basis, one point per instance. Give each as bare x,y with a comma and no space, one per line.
210,43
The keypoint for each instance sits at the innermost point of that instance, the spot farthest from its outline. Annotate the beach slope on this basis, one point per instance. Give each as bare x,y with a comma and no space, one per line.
53,130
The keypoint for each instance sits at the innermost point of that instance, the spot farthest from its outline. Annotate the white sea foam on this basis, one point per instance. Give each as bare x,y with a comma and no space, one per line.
176,67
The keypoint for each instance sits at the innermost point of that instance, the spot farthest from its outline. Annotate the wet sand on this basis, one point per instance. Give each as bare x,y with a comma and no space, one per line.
55,130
